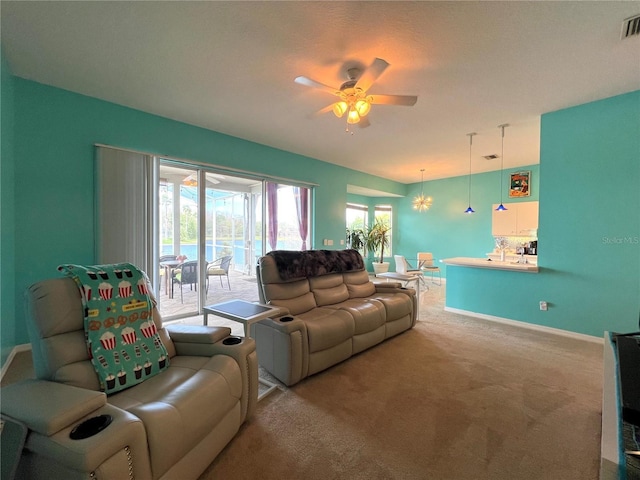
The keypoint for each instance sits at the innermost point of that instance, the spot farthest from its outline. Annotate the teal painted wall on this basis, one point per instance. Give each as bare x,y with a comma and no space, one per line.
589,229
591,287
445,230
55,131
7,214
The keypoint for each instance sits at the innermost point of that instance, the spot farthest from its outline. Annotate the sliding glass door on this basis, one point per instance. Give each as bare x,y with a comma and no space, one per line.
212,228
179,240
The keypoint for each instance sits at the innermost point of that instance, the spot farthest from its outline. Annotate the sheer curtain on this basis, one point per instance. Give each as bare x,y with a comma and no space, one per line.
272,209
301,195
124,208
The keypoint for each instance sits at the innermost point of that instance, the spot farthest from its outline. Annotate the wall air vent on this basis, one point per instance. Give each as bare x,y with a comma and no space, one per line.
631,27
493,156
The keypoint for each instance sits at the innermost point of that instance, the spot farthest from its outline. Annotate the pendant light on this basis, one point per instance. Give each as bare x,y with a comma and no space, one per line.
469,209
501,207
422,203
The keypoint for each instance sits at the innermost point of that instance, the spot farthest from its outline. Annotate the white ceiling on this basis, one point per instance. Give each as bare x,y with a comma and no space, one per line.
229,67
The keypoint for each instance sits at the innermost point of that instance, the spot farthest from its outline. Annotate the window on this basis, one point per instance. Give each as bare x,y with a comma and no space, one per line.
357,222
383,214
288,217
357,216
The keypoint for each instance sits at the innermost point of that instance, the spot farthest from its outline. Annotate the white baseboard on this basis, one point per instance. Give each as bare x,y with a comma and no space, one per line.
526,325
25,347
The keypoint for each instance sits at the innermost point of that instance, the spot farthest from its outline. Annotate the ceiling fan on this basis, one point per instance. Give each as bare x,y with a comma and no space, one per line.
352,94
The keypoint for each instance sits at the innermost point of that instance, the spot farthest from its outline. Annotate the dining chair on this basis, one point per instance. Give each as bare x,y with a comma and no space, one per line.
425,261
403,266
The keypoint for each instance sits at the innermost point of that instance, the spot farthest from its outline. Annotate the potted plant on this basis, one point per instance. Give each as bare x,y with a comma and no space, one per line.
377,239
356,239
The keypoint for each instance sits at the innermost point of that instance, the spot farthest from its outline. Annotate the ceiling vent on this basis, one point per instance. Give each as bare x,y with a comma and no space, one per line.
631,27
493,156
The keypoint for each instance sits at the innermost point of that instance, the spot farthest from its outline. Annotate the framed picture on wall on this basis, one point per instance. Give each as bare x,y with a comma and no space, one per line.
520,184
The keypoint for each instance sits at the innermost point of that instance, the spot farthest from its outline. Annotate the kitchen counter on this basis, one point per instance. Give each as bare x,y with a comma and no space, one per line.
492,264
512,257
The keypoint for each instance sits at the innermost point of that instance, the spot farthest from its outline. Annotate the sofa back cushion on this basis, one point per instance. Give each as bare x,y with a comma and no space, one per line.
295,296
296,305
301,281
358,284
329,289
124,345
55,325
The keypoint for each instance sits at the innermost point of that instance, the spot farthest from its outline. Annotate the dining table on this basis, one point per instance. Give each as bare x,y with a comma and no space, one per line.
169,266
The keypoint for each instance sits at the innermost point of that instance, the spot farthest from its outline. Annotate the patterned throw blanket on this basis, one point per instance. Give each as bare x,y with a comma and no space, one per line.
313,263
123,343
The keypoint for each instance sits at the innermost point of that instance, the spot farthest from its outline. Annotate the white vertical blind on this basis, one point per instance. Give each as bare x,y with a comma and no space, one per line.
124,208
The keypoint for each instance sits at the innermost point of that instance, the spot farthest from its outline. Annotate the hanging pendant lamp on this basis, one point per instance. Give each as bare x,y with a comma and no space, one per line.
422,203
501,207
469,209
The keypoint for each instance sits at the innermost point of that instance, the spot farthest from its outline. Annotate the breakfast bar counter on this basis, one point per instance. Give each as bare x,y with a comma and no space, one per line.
492,264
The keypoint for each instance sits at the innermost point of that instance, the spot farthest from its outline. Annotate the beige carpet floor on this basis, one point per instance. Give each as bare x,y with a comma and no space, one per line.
453,398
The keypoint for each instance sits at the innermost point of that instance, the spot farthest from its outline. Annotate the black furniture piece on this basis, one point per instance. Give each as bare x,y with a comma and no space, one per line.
627,349
186,273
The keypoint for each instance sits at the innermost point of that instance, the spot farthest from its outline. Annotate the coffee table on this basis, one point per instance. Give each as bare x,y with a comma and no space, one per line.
246,313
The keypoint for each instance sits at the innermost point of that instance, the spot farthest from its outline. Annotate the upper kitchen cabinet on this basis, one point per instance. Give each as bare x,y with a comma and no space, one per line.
519,219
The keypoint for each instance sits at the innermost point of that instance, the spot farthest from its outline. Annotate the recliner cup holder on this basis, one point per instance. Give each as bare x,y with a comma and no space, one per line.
286,319
231,341
90,427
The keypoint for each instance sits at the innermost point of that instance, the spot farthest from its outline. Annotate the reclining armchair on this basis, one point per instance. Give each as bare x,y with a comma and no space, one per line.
170,426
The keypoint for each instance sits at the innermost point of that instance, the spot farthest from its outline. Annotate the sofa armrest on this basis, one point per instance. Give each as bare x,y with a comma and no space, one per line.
386,283
48,407
243,351
51,411
285,324
394,287
119,451
196,340
283,347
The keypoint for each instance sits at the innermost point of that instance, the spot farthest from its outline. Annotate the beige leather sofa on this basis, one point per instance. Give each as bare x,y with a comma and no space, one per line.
171,426
334,311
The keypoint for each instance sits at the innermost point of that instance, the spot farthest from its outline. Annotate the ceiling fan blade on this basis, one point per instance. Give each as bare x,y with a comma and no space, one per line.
326,109
406,100
307,82
371,74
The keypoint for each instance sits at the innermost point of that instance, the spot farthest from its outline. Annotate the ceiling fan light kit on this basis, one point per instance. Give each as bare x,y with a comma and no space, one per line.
354,100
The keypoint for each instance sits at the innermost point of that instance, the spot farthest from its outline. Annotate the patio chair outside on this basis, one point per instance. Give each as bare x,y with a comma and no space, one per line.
186,273
219,268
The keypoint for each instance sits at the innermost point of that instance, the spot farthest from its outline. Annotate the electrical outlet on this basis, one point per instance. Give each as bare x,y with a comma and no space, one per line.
543,306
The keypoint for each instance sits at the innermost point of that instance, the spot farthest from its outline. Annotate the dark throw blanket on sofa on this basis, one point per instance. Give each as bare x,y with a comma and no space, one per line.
313,263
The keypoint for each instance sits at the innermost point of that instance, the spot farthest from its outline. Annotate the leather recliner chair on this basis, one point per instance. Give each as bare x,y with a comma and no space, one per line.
171,426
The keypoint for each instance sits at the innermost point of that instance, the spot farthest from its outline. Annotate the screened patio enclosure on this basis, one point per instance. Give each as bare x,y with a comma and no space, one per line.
207,215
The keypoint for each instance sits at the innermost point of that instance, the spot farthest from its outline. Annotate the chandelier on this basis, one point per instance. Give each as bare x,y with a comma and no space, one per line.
422,203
